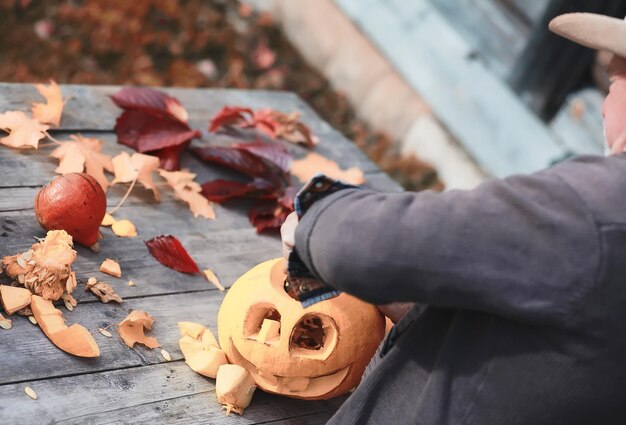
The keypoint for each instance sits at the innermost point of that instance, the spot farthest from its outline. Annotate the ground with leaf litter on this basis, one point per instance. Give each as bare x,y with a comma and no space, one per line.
187,44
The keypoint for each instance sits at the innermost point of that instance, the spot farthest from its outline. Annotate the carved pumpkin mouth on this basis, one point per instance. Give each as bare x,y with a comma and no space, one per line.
296,386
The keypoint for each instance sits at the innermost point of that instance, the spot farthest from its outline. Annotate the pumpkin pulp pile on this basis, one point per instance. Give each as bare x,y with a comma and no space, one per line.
46,274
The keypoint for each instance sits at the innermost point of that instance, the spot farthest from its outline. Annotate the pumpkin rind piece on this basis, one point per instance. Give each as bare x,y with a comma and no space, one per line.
234,387
14,298
75,339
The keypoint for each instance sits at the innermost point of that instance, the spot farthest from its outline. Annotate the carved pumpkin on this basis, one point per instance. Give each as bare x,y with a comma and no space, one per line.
316,352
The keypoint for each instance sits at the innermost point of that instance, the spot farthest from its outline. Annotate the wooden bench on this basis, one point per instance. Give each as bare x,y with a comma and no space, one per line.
138,385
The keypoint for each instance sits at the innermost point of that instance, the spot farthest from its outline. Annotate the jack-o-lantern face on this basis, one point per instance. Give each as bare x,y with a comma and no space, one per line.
312,353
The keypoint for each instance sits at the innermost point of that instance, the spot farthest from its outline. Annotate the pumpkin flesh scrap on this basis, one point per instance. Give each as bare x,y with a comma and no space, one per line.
132,329
234,387
74,339
200,349
111,267
14,298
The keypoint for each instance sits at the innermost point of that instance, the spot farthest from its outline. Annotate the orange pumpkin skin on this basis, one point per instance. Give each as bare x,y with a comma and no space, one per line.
324,358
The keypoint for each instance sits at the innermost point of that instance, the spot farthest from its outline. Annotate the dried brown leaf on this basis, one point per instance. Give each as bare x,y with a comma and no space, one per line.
314,163
49,112
25,132
136,166
189,191
83,153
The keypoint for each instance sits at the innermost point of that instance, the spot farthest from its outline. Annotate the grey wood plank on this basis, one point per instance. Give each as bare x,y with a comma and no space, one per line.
164,393
579,122
229,246
80,112
36,168
32,356
496,35
480,110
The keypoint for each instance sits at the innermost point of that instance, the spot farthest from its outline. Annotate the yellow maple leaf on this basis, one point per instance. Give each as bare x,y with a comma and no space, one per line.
306,168
83,153
138,166
25,132
49,112
189,191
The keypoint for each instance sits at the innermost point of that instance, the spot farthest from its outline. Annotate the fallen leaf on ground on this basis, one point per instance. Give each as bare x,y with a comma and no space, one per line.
108,220
266,164
50,112
83,153
138,166
151,100
153,122
231,116
314,163
124,229
111,267
25,132
189,191
274,124
132,329
102,290
212,277
170,252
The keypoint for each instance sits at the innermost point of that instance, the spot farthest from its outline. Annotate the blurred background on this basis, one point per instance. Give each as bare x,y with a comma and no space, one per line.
440,93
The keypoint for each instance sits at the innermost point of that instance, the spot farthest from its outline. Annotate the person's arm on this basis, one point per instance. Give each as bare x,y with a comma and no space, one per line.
526,247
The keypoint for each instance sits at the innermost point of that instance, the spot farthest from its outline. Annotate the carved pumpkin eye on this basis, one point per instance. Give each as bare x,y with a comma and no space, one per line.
315,336
262,316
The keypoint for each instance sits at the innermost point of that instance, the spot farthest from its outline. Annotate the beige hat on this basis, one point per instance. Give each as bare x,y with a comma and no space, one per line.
596,31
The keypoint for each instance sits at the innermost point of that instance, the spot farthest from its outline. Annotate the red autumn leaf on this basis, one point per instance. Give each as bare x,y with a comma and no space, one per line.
170,252
158,135
170,157
229,116
240,160
154,101
266,215
223,190
273,152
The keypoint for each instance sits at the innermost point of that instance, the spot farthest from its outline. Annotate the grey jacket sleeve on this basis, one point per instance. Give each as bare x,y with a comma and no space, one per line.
526,247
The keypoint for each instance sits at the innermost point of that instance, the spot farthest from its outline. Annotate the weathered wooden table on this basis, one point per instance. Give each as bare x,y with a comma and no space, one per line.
137,385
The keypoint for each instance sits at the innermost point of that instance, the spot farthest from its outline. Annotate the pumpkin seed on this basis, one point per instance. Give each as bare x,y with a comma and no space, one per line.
21,262
166,355
131,283
32,320
6,324
30,392
105,333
